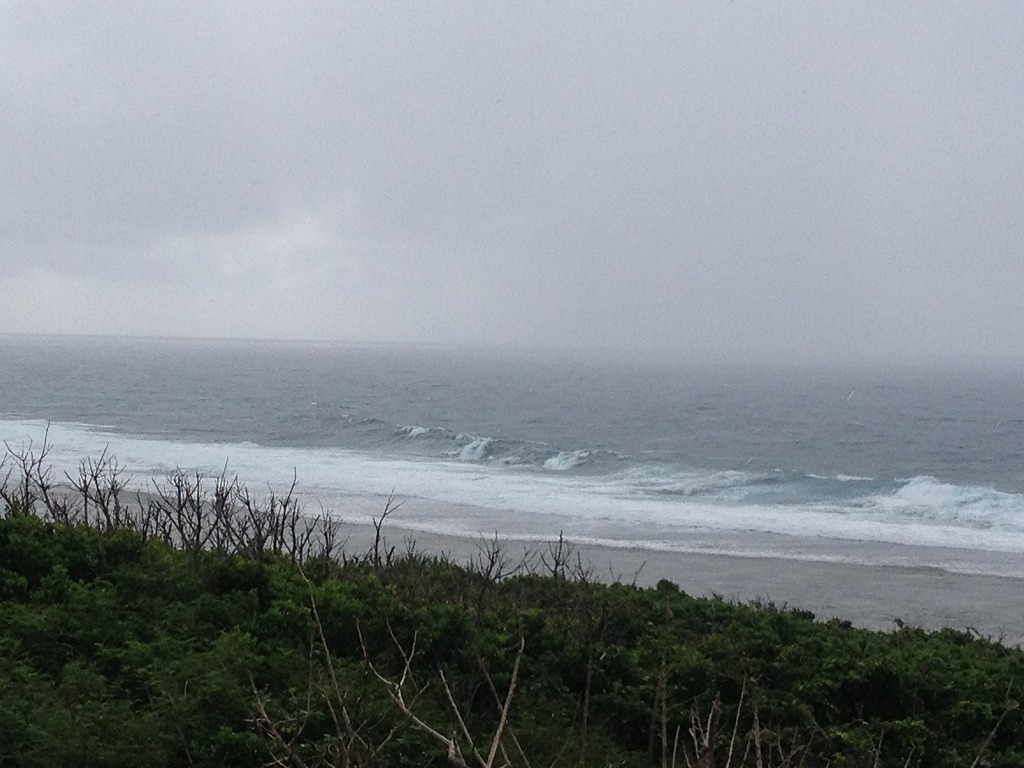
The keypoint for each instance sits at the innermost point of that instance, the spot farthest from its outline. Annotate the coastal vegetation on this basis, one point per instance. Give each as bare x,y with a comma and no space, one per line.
199,625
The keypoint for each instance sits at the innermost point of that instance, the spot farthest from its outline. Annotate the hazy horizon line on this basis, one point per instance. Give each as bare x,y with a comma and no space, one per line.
702,356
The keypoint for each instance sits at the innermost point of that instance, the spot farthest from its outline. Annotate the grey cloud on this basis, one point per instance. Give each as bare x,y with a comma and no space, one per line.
763,179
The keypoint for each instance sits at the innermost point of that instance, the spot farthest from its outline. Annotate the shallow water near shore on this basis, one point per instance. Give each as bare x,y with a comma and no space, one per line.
911,468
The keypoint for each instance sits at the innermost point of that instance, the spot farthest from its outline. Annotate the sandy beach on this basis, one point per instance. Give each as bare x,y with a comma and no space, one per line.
866,592
870,596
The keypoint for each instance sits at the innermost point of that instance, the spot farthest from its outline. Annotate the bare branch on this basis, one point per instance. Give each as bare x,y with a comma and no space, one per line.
1009,706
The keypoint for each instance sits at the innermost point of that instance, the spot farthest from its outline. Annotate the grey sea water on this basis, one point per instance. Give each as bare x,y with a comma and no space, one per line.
921,467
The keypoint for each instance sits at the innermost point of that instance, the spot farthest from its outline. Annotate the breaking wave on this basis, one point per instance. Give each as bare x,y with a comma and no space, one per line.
565,460
477,484
476,450
926,498
439,442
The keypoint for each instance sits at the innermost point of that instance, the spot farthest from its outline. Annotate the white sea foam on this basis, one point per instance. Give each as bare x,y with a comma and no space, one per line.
565,460
470,496
725,485
476,450
842,478
926,498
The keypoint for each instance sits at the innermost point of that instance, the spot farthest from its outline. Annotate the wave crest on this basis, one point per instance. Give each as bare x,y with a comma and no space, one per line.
565,460
477,450
926,498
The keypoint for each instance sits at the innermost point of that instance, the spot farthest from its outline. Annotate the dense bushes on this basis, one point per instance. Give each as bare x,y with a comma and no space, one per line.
197,625
120,650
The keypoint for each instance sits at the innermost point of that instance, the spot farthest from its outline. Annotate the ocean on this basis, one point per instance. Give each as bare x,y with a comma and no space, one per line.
917,467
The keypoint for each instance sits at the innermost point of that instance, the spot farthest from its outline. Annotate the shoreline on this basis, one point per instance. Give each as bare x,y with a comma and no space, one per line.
872,596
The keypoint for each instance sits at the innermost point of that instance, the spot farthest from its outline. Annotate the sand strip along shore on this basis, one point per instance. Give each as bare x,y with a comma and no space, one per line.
870,596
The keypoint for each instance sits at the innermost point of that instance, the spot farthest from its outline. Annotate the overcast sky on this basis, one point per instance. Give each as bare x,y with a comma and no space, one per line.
817,180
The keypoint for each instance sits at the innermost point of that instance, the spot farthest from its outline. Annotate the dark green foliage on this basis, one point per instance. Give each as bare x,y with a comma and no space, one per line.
116,650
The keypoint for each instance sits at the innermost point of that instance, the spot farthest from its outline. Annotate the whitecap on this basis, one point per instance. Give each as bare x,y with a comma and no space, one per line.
477,450
565,460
